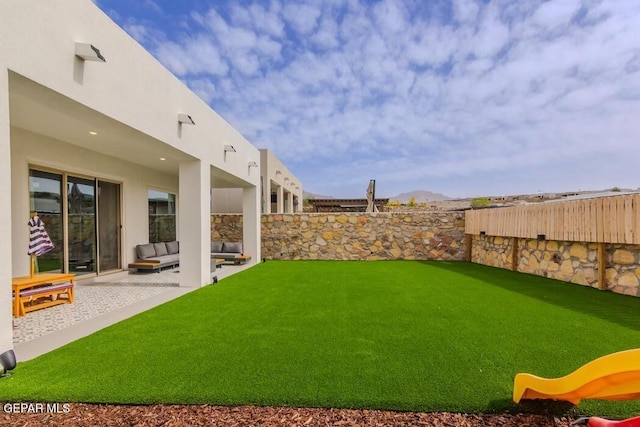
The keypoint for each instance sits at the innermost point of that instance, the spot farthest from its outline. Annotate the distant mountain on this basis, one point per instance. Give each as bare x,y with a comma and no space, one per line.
307,195
420,195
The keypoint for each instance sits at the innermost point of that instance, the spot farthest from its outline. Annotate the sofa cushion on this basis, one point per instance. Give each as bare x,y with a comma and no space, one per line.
166,260
161,249
235,247
173,247
145,251
216,247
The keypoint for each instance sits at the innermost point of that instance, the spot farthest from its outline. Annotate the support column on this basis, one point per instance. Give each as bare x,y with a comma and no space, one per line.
267,195
194,223
280,201
251,224
6,319
290,203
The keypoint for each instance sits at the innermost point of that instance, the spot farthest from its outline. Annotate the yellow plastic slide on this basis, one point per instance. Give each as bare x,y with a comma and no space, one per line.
612,377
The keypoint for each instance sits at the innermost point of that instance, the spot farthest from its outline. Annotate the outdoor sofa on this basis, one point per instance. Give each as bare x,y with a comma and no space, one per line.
228,251
157,256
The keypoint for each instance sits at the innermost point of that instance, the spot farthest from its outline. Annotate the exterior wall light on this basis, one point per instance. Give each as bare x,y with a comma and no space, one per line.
89,52
229,148
253,164
185,119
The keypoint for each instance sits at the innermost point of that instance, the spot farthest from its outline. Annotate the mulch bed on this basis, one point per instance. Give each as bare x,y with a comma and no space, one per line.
205,415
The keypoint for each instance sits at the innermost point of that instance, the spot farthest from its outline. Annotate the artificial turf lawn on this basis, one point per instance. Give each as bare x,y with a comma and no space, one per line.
403,335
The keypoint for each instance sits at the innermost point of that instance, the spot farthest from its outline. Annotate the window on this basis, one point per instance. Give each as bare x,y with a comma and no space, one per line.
162,216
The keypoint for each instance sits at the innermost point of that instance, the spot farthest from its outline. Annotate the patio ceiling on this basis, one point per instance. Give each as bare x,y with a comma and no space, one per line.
40,110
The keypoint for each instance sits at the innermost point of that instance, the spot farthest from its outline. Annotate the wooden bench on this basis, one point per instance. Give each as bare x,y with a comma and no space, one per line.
41,291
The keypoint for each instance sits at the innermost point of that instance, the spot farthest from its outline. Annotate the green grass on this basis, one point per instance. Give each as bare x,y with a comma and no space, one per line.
402,335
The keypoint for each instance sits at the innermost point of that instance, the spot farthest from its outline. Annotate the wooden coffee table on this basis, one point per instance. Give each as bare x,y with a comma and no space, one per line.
241,259
145,265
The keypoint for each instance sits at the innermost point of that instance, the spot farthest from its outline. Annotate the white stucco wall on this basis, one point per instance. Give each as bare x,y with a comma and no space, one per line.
278,179
6,335
226,200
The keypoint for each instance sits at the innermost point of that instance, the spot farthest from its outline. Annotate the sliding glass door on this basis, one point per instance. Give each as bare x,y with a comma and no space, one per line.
83,219
81,224
45,199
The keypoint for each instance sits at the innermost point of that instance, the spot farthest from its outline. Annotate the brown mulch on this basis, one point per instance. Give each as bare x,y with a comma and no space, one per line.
205,415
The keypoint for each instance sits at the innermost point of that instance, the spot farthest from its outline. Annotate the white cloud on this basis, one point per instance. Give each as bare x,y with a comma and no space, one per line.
303,18
197,55
554,14
204,88
343,91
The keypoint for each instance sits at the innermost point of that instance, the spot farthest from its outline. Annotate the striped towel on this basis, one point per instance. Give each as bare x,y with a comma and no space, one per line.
39,241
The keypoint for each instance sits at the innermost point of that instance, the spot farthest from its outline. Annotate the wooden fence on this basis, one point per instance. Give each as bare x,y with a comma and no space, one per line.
603,220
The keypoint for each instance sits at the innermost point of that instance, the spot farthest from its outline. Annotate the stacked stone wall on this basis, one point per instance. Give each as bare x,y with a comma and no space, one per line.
354,236
623,269
575,262
226,227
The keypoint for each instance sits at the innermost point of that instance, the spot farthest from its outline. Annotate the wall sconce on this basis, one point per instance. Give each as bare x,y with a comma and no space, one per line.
286,179
89,52
229,148
253,164
185,119
542,237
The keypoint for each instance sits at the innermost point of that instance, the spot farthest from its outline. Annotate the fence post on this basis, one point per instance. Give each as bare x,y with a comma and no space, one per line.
469,247
602,265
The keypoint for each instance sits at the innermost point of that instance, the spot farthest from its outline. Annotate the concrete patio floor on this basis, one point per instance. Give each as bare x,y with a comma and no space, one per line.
99,302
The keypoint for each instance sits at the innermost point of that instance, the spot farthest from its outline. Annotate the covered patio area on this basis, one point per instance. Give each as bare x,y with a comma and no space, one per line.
98,304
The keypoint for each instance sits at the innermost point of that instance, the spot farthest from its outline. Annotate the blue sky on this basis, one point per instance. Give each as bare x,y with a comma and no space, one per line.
466,98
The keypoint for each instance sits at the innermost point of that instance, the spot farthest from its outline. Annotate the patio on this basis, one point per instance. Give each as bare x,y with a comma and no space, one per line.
98,304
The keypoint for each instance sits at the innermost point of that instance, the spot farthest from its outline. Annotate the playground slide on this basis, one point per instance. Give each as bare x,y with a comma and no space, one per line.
603,422
615,376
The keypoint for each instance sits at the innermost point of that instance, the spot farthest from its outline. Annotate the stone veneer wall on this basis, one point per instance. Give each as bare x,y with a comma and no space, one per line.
575,262
354,236
226,227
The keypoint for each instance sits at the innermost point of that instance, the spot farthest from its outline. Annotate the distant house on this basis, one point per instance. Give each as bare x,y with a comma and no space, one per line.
345,205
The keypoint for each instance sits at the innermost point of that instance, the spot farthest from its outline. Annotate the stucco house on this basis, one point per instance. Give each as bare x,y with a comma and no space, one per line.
280,190
109,147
